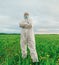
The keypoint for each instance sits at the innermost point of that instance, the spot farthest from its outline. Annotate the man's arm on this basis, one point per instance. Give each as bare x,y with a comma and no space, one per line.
25,25
21,25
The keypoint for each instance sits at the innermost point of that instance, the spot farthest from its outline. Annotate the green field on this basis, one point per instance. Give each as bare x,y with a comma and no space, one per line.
47,46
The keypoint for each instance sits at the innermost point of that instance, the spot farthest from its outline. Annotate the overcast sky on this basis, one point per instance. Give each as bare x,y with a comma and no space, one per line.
45,14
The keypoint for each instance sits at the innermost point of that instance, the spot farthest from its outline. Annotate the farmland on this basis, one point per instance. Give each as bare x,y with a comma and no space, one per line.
47,46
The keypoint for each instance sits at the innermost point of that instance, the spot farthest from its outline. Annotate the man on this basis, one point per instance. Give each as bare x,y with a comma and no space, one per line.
28,39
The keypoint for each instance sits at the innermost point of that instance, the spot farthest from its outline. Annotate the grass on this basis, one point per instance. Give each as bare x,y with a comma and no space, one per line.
47,46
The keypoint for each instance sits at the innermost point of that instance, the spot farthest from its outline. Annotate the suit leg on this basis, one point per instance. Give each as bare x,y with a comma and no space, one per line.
23,46
33,53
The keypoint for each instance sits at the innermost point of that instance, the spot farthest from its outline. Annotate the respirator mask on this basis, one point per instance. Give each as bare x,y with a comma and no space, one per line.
26,17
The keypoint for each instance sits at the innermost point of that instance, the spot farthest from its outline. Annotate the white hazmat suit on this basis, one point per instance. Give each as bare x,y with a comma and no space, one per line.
28,39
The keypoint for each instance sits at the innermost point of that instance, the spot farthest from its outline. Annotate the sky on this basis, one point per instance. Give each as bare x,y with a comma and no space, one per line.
45,15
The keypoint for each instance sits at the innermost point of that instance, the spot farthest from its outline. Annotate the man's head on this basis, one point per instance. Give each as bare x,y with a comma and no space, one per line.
26,15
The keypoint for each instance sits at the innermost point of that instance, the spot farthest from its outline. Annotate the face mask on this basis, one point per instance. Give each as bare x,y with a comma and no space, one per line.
26,17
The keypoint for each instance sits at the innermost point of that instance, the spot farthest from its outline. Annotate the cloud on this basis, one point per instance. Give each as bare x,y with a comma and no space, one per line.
7,30
45,14
9,24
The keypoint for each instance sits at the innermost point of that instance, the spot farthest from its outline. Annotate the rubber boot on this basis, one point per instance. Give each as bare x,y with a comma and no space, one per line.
35,63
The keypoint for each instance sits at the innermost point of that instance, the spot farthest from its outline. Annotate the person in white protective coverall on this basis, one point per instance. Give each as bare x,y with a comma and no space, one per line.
28,39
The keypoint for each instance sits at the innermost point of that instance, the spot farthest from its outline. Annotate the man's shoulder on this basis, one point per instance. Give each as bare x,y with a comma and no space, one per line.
30,19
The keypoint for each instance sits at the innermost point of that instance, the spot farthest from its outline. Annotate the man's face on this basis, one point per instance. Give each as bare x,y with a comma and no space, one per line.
26,16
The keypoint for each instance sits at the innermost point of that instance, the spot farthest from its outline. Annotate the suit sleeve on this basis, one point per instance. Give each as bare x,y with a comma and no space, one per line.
26,25
21,24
